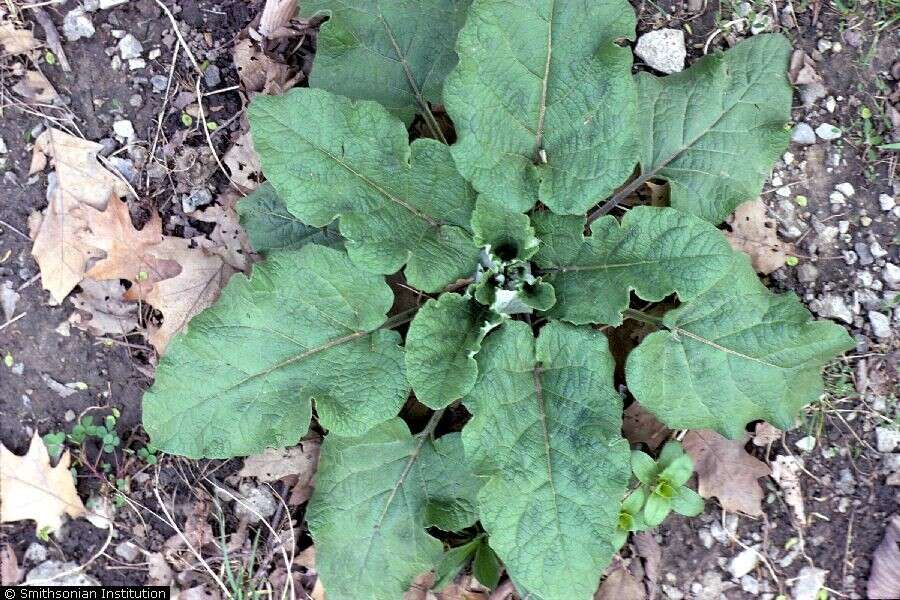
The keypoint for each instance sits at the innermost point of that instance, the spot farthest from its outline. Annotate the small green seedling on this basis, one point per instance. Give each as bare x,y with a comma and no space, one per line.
663,482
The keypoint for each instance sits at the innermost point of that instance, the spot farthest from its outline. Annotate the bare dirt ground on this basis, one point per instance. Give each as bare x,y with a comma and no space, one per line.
843,245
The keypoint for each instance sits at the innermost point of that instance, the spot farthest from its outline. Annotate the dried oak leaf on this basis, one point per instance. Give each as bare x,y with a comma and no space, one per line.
243,163
228,239
275,464
60,232
620,584
884,580
35,87
102,309
14,40
30,489
725,470
10,573
640,426
753,233
195,287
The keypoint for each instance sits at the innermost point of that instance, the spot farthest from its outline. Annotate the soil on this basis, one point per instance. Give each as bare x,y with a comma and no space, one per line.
847,519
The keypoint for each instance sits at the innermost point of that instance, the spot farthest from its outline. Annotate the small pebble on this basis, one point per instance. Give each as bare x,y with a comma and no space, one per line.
828,132
881,327
129,47
77,24
159,83
803,134
124,129
886,202
845,188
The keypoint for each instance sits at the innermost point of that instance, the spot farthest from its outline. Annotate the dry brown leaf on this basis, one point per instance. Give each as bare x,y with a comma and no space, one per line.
80,183
726,471
126,250
30,489
765,434
786,473
259,73
884,580
10,573
102,309
640,427
179,298
620,584
228,240
753,233
243,163
158,570
465,588
14,40
275,464
34,87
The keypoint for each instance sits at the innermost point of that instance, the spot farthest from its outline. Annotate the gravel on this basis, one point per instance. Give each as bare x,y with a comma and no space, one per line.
881,324
662,50
77,24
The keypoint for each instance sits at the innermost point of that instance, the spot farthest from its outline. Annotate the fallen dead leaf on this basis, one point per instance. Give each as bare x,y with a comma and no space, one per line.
243,163
275,464
647,548
15,40
10,573
753,233
158,570
725,470
464,588
640,426
786,473
80,183
228,239
884,580
102,310
620,584
126,250
34,87
765,434
259,73
30,489
179,298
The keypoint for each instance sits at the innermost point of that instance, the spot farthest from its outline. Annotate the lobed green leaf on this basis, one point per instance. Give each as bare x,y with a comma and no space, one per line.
241,376
546,434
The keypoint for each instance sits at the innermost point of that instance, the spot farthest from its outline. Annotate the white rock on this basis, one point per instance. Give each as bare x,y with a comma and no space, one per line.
886,202
743,563
837,198
105,4
3,149
808,583
128,551
823,45
877,251
784,192
136,63
828,132
891,276
845,188
662,50
129,47
77,24
881,324
50,573
806,443
832,306
803,134
788,158
124,129
830,104
35,553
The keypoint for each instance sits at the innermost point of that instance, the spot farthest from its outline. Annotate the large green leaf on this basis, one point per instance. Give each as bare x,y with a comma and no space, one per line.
545,430
715,130
374,497
506,234
396,52
654,252
303,327
544,102
270,226
442,340
734,354
398,204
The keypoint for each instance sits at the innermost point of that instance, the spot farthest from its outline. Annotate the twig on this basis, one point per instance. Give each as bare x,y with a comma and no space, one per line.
11,321
618,197
52,37
11,228
199,94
